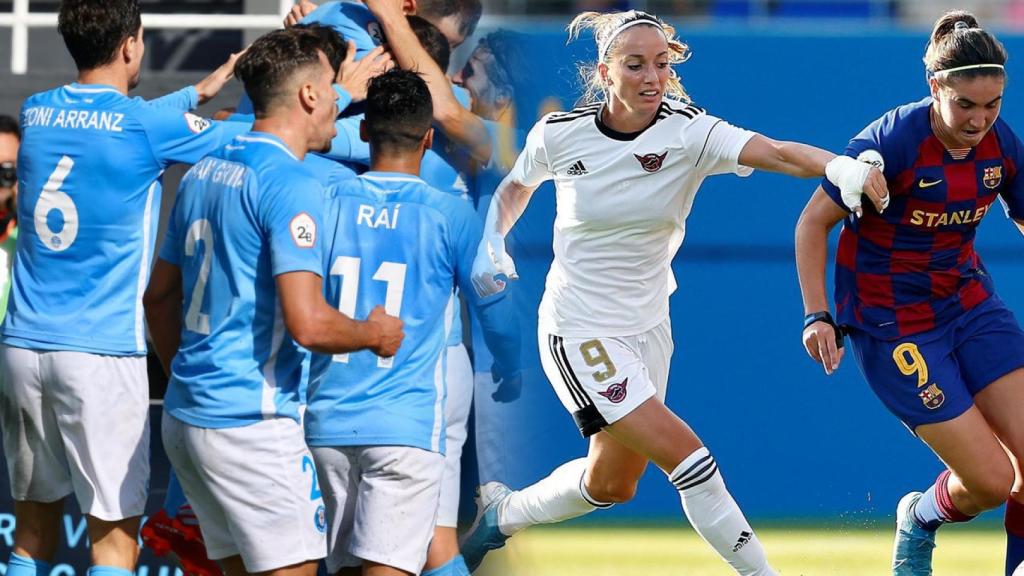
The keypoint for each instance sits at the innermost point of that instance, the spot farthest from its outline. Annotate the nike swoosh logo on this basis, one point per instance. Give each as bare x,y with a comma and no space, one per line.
923,183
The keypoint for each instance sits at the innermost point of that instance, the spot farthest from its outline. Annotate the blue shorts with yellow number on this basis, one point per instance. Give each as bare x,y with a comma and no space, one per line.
933,376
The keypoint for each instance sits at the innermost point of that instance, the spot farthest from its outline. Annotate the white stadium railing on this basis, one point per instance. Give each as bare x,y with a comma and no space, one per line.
20,19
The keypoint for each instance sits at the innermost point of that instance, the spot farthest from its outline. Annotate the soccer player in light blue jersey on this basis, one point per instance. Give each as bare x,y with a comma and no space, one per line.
376,427
74,398
238,288
456,19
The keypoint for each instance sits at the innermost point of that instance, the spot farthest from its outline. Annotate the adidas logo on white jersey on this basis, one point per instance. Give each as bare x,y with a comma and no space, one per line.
577,169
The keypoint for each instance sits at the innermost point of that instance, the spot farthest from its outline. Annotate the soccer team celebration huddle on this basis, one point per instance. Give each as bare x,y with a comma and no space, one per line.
382,201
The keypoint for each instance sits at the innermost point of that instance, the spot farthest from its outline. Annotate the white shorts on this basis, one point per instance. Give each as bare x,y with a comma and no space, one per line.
600,380
253,489
457,405
382,504
76,422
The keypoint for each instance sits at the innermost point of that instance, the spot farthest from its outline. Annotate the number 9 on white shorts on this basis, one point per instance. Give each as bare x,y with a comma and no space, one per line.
601,379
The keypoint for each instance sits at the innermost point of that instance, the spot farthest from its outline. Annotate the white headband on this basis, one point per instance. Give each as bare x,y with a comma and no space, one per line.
602,48
971,67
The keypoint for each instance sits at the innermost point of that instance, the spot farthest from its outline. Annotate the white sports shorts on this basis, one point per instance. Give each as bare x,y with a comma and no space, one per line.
76,422
600,380
254,490
460,398
382,504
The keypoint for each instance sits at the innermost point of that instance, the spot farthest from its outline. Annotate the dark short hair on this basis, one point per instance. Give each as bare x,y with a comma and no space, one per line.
273,60
94,29
508,72
335,46
9,125
432,40
468,12
399,111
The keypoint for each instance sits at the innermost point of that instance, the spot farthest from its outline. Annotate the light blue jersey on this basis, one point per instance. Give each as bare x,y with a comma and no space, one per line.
329,171
88,199
243,216
185,99
390,239
434,170
353,20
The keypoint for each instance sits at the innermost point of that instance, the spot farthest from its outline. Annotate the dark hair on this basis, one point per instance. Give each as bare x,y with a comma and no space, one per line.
432,40
9,125
335,47
468,12
508,72
94,29
273,60
399,112
958,40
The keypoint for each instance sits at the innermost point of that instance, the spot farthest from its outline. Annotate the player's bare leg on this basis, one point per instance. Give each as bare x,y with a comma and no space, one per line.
613,470
302,569
36,535
618,457
980,476
374,569
1000,403
444,547
114,544
233,566
655,432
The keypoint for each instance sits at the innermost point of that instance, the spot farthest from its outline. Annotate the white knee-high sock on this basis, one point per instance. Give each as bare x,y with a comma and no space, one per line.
715,516
558,497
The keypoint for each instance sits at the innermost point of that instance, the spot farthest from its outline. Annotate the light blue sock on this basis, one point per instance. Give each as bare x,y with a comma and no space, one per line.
107,571
455,567
21,566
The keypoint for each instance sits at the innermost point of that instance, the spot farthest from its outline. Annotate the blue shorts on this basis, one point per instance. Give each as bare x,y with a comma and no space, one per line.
933,376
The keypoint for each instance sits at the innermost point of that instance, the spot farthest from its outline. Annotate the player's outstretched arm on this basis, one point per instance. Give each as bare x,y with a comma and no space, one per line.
319,327
507,205
460,125
162,302
210,86
795,159
819,217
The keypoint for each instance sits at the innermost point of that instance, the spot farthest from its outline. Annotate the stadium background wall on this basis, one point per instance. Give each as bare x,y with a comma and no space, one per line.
794,444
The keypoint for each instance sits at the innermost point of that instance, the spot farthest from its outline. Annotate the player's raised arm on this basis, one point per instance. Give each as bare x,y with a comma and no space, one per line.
317,326
209,87
795,159
820,334
459,124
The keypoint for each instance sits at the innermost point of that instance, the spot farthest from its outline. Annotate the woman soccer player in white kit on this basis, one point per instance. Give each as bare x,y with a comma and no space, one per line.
626,168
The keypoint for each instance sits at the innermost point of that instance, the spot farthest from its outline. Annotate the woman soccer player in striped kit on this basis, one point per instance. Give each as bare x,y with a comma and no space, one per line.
933,340
626,167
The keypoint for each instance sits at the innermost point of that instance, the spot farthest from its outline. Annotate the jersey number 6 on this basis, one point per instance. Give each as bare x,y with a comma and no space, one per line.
52,199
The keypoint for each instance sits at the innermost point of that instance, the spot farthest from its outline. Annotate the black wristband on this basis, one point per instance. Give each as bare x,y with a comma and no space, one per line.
825,317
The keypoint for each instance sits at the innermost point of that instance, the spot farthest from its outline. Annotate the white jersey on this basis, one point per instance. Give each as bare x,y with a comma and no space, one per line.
622,202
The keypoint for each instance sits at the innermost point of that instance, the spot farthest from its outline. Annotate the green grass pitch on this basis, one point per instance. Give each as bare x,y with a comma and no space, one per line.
800,551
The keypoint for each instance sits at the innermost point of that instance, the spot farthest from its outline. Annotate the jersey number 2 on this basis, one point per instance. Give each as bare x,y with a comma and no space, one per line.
392,273
199,231
52,199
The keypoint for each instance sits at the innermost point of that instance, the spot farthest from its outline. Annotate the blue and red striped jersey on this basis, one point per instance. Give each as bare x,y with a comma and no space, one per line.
914,267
